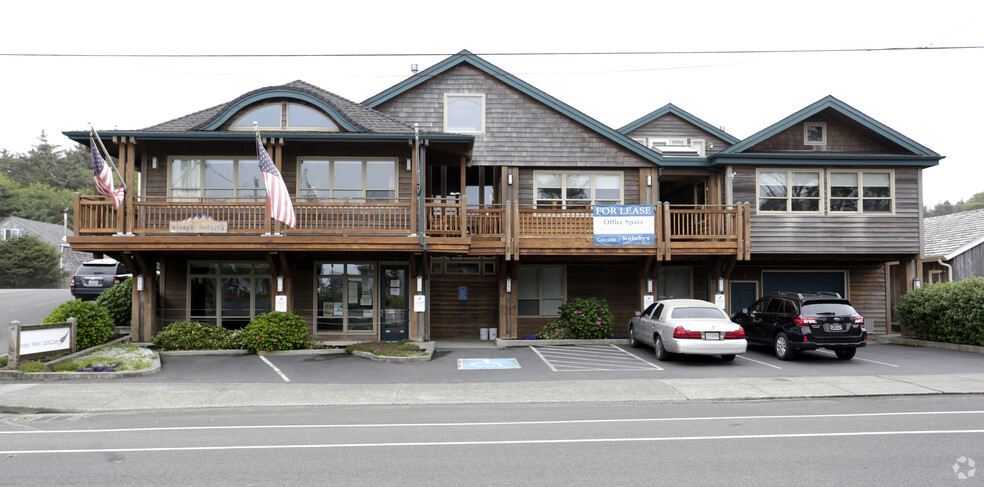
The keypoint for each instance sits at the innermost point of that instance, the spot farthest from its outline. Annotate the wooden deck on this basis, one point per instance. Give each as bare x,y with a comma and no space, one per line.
451,225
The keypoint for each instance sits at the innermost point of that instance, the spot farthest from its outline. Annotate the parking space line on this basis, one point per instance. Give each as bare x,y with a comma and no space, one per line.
591,359
275,369
756,361
828,352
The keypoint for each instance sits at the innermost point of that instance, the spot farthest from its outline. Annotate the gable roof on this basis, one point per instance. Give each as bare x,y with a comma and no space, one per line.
50,232
671,109
950,235
919,154
358,122
466,57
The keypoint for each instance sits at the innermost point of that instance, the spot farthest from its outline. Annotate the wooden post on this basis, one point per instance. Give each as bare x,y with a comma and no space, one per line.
131,189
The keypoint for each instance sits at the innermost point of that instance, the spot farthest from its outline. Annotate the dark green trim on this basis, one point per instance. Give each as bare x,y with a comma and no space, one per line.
835,104
231,110
824,160
670,108
83,137
467,57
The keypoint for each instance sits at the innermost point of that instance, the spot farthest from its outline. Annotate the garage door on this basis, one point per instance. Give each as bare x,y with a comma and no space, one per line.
804,281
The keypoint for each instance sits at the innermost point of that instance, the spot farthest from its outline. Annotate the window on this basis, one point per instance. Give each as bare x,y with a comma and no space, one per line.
464,113
285,116
815,133
345,297
356,179
678,146
228,294
560,189
861,191
789,191
220,178
457,265
674,282
540,290
9,233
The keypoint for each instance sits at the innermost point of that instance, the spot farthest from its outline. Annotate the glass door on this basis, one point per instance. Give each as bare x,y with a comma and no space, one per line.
394,315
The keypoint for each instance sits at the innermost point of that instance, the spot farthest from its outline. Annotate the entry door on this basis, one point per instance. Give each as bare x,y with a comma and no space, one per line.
742,295
395,312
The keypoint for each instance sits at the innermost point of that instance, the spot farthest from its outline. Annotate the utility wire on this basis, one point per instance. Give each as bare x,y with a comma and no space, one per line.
604,53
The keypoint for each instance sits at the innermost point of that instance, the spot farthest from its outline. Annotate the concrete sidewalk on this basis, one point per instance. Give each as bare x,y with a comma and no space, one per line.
104,396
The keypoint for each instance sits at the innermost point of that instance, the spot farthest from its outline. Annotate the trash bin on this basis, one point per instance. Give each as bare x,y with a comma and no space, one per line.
484,333
493,333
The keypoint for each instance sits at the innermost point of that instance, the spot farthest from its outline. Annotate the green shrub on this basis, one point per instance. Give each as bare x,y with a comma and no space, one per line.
3,361
191,335
951,312
401,348
275,331
588,318
118,301
555,330
29,366
93,323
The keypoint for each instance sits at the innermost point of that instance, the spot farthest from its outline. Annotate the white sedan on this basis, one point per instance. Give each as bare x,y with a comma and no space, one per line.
688,326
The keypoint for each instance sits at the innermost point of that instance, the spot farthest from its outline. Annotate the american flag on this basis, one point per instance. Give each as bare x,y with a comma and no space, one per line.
103,177
278,199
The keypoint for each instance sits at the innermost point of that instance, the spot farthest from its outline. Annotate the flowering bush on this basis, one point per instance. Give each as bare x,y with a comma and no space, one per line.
275,331
588,318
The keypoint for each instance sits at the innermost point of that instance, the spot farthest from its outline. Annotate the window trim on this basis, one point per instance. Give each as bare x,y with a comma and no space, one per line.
806,133
539,290
284,119
562,202
11,233
821,200
331,176
236,189
860,198
253,275
464,95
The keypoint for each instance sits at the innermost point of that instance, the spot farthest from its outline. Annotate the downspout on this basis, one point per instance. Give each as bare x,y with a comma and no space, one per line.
949,269
425,272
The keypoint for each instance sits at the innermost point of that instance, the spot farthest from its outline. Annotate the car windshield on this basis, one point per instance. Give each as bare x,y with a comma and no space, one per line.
831,309
98,270
697,313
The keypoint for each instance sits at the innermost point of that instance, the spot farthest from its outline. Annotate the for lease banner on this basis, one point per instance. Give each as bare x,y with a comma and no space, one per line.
624,225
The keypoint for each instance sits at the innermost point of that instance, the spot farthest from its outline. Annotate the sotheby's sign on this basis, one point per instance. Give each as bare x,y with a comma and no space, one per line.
624,225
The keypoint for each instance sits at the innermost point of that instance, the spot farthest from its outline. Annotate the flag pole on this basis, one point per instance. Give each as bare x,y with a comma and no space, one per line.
107,156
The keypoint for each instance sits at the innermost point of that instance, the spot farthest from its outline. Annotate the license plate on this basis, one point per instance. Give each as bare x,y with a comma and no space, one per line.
836,327
712,335
93,283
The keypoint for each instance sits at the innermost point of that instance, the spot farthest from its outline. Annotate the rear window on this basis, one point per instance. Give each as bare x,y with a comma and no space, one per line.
697,313
831,309
97,270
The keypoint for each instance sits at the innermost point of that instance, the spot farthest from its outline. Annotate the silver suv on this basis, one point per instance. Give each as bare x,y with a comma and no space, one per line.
95,276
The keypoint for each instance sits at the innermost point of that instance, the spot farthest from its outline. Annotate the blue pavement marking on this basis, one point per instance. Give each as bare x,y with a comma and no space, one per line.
487,363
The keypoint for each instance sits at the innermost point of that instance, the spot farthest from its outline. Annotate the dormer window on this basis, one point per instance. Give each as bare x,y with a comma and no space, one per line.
815,133
677,146
285,116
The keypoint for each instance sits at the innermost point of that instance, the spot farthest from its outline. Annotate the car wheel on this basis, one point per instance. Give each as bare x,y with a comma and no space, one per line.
728,358
661,353
632,339
782,348
845,353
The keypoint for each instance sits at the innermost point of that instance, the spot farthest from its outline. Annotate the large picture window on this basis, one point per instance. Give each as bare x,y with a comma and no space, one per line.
789,191
351,179
464,113
223,178
540,290
861,191
228,294
345,297
577,190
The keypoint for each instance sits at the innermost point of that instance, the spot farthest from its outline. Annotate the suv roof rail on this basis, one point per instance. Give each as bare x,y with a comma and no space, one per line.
800,295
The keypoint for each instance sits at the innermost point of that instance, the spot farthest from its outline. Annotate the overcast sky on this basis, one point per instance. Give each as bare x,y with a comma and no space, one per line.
931,96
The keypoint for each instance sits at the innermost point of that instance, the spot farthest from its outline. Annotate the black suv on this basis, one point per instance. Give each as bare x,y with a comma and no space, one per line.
95,276
790,322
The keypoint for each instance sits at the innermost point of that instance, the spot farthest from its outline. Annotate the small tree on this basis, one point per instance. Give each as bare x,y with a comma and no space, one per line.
118,302
29,262
93,324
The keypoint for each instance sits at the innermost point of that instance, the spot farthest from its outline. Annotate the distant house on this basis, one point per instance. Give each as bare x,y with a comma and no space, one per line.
953,247
13,227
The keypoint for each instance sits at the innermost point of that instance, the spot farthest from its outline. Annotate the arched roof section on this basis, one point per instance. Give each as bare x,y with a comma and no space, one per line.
263,96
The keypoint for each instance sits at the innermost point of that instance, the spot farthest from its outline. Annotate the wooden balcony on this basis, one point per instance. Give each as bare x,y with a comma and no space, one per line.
450,225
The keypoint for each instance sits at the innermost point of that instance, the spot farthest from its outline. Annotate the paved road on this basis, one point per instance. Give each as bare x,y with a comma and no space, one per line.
29,306
886,441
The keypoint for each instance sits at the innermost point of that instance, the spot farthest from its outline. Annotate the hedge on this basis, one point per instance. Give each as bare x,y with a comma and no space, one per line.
951,312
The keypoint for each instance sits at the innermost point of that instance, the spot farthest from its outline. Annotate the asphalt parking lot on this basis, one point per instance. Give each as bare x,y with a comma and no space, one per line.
557,364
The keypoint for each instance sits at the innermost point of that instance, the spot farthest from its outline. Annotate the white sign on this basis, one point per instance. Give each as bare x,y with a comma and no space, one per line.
419,303
45,340
281,303
719,300
624,225
647,300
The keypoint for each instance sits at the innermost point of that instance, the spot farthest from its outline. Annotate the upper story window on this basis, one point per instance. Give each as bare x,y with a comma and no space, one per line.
577,189
9,233
354,179
861,191
815,133
789,191
678,146
223,178
464,113
285,116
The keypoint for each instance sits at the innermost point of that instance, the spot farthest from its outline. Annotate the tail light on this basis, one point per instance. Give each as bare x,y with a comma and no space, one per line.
805,321
680,332
859,320
117,280
73,280
740,333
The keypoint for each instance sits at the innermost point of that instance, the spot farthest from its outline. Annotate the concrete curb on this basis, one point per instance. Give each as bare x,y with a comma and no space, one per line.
507,343
48,376
914,342
427,347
